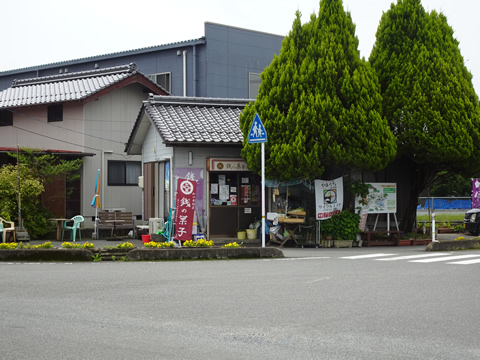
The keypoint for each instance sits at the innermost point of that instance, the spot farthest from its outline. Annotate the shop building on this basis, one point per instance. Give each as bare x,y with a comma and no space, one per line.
198,139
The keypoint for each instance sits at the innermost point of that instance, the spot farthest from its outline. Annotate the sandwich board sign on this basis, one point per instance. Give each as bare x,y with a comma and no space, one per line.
257,133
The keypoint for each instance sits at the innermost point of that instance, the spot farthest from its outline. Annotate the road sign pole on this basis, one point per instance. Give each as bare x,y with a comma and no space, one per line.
258,134
263,195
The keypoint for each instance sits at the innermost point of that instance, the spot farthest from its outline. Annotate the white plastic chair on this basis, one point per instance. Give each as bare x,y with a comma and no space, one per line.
4,230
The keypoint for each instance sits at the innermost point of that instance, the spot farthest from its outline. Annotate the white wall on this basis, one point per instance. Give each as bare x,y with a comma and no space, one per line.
108,123
41,134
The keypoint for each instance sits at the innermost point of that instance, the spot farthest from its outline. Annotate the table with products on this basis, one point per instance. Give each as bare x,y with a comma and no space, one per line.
290,227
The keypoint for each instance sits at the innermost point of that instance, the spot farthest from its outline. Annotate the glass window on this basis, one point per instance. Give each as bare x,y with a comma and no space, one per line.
162,79
254,82
55,113
6,118
123,172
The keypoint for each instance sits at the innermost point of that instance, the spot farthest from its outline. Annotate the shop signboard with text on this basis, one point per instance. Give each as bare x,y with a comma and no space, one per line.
185,209
328,198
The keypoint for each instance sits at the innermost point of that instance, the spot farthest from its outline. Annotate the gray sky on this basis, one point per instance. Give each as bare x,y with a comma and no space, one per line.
41,32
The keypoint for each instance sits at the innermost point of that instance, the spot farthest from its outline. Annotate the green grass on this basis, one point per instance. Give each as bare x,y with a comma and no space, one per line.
443,217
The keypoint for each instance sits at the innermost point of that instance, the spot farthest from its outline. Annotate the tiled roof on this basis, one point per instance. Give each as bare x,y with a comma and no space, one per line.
189,120
65,87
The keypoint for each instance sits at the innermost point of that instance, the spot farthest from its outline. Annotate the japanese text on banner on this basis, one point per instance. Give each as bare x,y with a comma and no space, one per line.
328,198
185,209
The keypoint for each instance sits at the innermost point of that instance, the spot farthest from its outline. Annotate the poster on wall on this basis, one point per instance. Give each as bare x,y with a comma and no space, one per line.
214,189
224,193
381,199
328,198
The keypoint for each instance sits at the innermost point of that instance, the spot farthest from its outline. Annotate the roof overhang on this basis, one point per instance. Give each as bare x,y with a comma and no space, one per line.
78,154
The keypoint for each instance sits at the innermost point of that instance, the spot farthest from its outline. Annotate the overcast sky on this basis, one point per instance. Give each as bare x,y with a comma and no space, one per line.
40,32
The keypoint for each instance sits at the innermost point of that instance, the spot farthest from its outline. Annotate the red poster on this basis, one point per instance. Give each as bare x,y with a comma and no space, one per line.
185,209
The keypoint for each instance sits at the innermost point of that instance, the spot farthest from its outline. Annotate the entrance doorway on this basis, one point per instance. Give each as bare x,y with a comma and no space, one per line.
234,201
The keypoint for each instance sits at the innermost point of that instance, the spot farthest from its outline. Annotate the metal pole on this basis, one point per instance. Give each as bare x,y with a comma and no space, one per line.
19,196
263,195
433,228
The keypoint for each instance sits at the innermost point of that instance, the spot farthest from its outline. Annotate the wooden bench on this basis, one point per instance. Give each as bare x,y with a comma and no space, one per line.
115,220
380,238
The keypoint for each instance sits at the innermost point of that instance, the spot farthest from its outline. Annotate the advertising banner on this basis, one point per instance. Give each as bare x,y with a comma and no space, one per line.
475,193
328,198
185,209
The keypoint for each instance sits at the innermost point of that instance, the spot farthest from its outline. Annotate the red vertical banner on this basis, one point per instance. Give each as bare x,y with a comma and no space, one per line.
185,209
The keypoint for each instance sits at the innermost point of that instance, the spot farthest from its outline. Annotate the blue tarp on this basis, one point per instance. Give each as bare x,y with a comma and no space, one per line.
443,204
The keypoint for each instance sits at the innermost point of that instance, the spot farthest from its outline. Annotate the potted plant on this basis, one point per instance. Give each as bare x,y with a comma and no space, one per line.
346,227
241,234
326,230
445,228
407,239
252,230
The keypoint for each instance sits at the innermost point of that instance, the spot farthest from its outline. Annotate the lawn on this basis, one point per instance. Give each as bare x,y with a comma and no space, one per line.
442,217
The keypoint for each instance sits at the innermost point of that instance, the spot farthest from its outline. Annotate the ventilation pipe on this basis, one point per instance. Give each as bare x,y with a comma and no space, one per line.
184,72
194,71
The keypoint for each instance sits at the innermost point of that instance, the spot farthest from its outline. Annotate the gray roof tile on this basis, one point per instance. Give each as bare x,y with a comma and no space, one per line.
63,88
196,120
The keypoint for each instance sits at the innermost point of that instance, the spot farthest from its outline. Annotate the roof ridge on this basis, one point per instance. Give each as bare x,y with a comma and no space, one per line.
131,68
190,100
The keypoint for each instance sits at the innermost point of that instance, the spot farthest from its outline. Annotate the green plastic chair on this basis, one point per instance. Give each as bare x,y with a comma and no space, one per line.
77,220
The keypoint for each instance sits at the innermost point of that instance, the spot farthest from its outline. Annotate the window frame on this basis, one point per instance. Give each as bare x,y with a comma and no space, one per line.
125,177
55,113
154,78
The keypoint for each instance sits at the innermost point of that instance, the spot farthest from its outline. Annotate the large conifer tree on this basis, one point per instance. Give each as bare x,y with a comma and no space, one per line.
320,103
428,96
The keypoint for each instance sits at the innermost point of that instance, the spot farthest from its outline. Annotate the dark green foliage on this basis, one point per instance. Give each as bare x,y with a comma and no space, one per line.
48,166
450,184
428,96
343,226
320,103
36,170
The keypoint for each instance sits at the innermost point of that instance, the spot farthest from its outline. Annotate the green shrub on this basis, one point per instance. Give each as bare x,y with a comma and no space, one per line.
342,226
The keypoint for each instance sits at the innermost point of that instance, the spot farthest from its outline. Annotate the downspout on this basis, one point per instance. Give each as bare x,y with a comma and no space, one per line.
184,72
194,71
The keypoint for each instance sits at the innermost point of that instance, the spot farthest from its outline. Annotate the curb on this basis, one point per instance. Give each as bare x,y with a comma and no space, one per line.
453,245
141,254
203,253
45,255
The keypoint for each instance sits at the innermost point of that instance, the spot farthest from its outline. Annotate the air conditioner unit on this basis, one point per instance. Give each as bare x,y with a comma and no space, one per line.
155,225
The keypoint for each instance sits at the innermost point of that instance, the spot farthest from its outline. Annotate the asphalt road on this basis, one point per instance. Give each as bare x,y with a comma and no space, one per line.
314,304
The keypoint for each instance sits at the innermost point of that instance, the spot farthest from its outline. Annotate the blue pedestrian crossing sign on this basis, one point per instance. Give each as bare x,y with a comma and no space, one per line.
257,133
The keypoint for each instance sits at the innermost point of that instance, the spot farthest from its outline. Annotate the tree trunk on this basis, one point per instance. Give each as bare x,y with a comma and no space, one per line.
421,177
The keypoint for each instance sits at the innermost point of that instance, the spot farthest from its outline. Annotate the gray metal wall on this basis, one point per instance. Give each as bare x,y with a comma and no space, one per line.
231,53
222,64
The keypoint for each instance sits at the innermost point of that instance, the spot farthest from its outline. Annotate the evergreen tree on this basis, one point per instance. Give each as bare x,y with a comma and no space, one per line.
428,97
320,103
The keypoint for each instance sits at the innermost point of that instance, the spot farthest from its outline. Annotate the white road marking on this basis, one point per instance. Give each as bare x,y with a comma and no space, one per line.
368,256
466,262
445,258
299,258
317,280
412,257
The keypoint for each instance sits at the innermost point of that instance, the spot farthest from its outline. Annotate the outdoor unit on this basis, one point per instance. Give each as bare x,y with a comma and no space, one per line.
155,224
